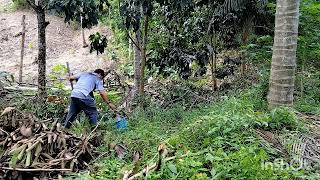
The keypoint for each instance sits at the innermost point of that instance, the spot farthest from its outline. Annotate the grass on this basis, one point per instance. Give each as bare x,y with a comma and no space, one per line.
308,99
224,131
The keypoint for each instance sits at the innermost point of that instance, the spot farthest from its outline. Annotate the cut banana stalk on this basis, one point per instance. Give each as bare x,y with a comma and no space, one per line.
54,138
38,150
28,159
37,153
14,138
58,127
22,152
64,143
49,138
62,164
32,146
53,126
16,148
72,164
47,156
44,126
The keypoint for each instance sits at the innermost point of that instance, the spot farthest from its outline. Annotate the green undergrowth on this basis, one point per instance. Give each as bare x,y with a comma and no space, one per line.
308,92
220,141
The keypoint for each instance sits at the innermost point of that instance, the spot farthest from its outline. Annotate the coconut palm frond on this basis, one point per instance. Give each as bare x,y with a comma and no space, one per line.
274,140
303,149
232,5
235,5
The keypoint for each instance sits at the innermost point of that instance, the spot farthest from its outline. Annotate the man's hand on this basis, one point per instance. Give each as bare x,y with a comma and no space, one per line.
71,78
105,98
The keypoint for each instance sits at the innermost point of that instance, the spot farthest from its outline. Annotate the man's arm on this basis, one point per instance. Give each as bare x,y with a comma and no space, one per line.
72,78
105,98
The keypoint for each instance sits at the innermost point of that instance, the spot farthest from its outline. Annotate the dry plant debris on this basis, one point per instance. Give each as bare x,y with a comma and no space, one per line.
36,149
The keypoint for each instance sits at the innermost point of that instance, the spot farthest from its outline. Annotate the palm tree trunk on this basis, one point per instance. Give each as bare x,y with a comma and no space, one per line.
284,54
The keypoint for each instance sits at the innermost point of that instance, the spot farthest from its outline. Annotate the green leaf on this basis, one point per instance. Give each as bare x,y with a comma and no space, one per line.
213,172
227,130
213,130
172,168
216,158
209,157
196,164
13,160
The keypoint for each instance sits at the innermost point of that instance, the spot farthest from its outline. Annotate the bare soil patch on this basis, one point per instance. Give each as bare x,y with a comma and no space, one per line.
64,44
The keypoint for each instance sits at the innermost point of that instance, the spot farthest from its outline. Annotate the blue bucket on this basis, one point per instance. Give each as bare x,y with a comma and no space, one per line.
121,122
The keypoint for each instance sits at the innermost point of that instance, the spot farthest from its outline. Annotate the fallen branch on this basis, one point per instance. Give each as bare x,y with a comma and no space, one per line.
20,88
150,168
32,170
100,156
313,118
4,131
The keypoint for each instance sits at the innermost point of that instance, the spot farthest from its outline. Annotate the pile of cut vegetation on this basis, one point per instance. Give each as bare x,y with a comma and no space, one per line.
40,149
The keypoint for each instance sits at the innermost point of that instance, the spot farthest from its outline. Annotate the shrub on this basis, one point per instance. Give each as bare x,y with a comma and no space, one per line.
20,4
283,118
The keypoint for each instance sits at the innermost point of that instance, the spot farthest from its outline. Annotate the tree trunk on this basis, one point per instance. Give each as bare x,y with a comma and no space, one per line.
213,64
41,16
284,54
84,43
215,83
244,40
137,63
22,46
143,54
129,49
214,60
212,68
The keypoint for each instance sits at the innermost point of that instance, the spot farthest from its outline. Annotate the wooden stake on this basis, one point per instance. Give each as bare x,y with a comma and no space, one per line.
68,69
22,46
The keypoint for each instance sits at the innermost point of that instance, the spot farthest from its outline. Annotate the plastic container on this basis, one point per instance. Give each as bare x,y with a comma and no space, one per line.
121,122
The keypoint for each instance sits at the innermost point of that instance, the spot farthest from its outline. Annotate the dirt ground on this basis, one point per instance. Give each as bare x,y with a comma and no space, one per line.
64,43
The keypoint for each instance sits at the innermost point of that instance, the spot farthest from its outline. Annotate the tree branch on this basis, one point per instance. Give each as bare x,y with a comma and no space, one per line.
135,43
32,5
264,27
149,168
32,170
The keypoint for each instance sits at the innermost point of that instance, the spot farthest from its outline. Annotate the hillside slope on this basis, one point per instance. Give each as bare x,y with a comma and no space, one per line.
64,43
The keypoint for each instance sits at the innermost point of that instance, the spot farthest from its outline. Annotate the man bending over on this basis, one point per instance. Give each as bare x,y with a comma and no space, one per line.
82,96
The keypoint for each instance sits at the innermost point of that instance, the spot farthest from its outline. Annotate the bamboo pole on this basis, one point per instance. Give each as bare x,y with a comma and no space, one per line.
22,46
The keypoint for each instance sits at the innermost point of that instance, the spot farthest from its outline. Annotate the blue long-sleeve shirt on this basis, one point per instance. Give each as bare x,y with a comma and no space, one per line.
86,82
